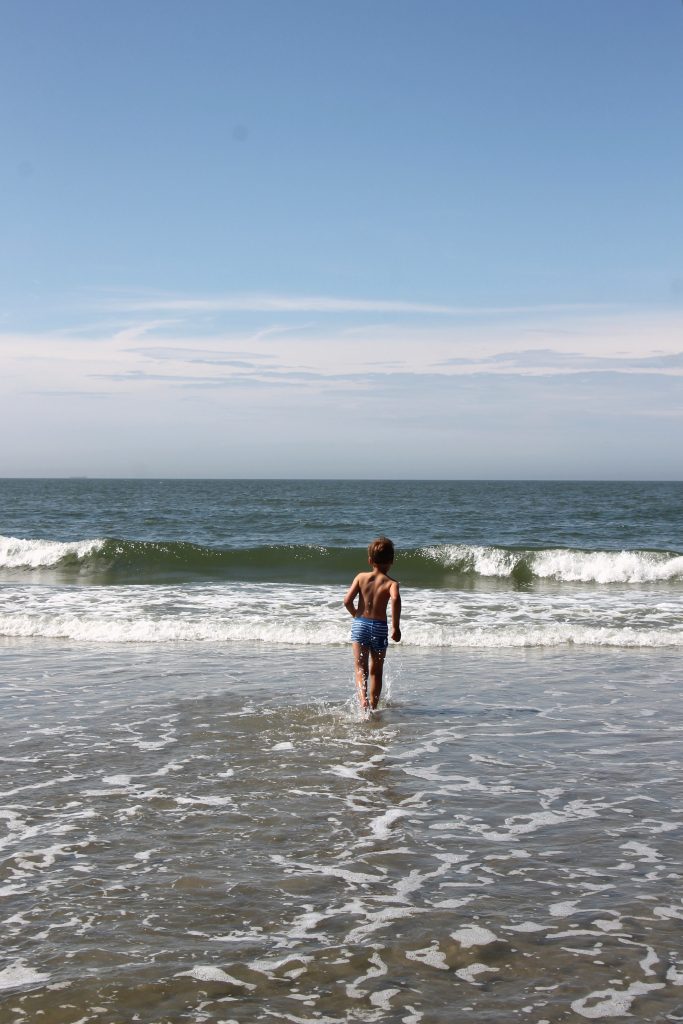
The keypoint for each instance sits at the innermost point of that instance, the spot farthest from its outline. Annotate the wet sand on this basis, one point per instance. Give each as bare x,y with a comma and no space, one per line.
193,834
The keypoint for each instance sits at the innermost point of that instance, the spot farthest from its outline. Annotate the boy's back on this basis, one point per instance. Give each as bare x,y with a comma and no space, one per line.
374,593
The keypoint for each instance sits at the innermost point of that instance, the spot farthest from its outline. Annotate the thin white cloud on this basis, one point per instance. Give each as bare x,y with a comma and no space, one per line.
135,331
638,344
451,398
264,303
545,360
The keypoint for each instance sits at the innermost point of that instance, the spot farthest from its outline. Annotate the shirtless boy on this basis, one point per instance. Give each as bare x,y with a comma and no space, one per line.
370,633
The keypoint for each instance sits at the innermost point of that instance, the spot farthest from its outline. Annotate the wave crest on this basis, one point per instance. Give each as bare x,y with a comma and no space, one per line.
564,565
438,566
18,553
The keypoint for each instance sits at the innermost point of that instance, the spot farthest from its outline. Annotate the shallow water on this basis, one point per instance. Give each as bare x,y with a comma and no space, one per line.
194,833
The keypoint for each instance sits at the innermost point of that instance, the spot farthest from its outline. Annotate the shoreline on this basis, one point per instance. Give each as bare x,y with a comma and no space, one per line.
211,825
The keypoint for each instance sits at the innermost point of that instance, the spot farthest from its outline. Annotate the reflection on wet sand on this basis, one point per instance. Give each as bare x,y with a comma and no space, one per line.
182,842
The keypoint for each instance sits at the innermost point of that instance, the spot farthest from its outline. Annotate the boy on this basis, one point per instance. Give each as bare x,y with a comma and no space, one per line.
370,633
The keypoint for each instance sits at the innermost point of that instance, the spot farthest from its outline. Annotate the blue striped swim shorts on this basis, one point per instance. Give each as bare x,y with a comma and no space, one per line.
372,633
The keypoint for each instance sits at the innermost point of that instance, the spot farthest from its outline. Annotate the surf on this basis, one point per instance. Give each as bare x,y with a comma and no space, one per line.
305,615
445,566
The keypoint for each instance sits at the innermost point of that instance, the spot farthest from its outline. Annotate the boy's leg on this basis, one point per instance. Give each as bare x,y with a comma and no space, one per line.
360,658
376,672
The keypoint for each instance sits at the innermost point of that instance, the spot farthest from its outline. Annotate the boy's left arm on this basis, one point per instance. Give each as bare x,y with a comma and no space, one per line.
351,595
395,612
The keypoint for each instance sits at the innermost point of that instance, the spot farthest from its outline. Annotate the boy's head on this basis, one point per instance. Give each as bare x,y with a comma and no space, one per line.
381,552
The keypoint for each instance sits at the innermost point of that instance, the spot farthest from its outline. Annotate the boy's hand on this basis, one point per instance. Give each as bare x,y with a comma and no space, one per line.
396,635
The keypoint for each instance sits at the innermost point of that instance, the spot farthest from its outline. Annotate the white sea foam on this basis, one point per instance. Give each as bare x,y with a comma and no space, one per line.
17,975
381,919
19,553
312,615
561,564
474,935
645,853
383,998
381,827
473,971
607,566
668,912
431,956
207,972
565,908
611,1002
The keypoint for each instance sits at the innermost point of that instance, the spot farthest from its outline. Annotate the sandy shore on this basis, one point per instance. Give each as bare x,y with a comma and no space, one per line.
195,833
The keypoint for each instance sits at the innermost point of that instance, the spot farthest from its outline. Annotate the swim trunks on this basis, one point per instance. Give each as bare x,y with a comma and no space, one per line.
372,633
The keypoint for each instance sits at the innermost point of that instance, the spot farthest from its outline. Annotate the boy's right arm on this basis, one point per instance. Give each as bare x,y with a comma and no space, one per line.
351,595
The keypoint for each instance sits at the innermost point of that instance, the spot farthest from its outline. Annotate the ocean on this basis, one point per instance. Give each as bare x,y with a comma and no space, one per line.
198,824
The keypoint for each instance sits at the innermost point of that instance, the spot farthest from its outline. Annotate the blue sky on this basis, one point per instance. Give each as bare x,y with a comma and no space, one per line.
395,239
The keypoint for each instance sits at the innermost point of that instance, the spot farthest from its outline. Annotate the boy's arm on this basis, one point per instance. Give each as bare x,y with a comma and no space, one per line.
395,612
351,595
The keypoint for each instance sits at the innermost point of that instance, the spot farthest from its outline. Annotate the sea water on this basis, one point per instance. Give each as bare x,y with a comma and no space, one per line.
197,823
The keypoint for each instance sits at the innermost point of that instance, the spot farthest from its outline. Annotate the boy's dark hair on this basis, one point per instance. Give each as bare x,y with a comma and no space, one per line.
381,551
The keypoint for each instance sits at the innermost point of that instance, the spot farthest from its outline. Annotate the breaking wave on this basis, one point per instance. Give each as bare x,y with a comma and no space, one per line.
110,560
565,565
